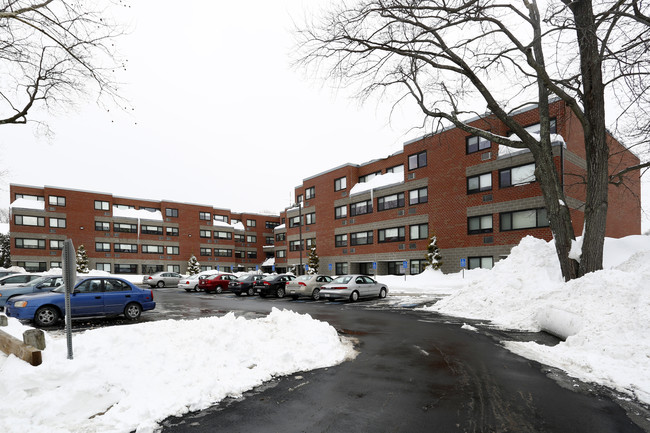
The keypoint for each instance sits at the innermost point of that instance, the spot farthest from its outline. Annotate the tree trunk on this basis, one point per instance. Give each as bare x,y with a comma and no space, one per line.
597,152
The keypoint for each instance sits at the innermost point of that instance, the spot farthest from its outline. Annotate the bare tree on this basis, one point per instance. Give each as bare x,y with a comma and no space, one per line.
448,54
52,52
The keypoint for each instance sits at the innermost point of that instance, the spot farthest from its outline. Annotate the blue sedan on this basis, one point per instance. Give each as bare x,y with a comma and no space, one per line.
92,296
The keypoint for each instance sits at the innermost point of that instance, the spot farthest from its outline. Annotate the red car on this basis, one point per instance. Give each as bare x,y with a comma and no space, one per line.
216,283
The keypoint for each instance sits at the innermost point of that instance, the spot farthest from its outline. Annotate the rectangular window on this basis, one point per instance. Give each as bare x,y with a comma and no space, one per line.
171,231
151,230
171,212
125,228
417,196
102,226
361,238
270,240
102,246
251,254
341,268
59,223
294,221
396,169
271,224
524,219
56,244
125,248
56,200
152,249
279,237
172,250
418,266
390,201
368,177
394,234
340,183
33,266
294,246
174,268
517,175
240,238
310,193
251,239
419,231
341,212
222,218
102,205
124,206
30,197
205,216
240,254
222,235
103,267
480,262
361,208
281,253
206,251
418,160
125,269
299,198
205,234
341,240
24,220
222,252
310,218
251,223
475,144
482,182
479,224
310,243
395,268
31,244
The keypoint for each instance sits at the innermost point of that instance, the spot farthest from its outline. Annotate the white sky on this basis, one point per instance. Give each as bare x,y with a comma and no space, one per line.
221,118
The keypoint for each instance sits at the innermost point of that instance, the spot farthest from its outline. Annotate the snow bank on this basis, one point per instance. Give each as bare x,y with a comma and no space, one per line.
429,282
142,214
125,378
609,310
25,203
380,181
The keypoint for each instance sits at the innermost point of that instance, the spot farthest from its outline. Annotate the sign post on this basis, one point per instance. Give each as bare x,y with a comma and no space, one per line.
405,265
463,264
69,279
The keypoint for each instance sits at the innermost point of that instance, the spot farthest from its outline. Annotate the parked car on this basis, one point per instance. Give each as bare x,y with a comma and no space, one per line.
42,284
5,273
92,296
273,285
216,283
162,279
353,287
244,284
16,279
191,283
307,285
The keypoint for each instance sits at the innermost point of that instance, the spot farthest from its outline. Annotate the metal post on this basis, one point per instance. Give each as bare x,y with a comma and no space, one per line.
300,269
69,279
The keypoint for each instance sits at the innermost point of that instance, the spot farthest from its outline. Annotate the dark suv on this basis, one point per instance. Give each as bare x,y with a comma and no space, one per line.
273,285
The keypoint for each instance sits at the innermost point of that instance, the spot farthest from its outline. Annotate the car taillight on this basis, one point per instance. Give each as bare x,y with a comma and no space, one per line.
151,294
150,278
337,288
266,283
302,284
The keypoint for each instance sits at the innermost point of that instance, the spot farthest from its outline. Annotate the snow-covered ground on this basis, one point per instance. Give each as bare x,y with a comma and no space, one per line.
126,378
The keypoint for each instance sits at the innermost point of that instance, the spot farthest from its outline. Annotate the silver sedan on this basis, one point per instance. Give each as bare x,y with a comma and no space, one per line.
353,287
162,279
307,285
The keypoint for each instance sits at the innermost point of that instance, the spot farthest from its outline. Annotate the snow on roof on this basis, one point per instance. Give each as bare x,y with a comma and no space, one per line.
280,227
142,214
25,203
238,226
377,182
505,151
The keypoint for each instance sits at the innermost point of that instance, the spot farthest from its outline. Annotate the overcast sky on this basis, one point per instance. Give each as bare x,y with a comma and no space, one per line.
221,118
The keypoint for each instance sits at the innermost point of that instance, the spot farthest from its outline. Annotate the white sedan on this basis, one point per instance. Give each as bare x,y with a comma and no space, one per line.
191,282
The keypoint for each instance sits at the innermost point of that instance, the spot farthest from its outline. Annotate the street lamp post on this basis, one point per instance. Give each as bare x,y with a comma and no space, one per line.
300,234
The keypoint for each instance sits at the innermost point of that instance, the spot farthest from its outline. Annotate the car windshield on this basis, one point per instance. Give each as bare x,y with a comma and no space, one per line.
342,280
271,277
38,281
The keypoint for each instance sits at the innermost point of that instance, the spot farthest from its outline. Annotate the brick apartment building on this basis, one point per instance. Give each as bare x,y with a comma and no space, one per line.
478,198
128,235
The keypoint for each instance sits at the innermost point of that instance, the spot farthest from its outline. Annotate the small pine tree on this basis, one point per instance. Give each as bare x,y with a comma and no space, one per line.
193,266
5,250
82,260
312,261
433,255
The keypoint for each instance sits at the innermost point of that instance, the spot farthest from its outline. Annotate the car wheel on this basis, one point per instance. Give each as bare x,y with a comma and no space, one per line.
280,293
132,311
315,295
382,293
251,292
354,297
46,316
160,284
219,289
196,288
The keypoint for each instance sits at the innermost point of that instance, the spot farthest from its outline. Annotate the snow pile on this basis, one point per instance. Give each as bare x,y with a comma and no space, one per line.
377,182
142,214
608,341
125,378
430,282
25,203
